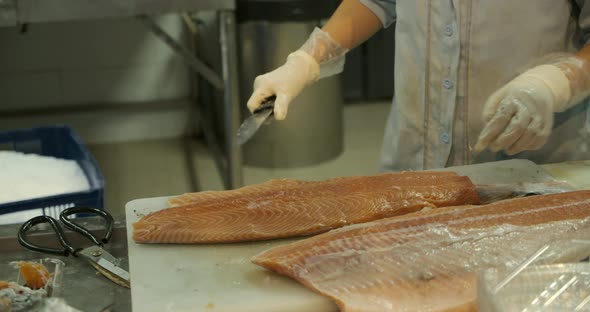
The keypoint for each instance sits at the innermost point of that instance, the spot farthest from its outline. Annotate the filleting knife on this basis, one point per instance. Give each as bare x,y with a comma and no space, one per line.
253,123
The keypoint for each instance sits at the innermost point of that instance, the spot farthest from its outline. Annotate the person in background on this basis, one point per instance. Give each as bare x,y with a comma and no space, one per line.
475,80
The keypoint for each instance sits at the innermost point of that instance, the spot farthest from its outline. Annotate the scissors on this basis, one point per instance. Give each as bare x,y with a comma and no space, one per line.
100,259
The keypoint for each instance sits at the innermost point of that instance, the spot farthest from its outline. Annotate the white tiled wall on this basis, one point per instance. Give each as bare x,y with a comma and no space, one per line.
95,62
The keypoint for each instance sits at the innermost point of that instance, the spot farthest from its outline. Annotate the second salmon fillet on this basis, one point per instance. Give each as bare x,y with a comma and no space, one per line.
287,208
427,261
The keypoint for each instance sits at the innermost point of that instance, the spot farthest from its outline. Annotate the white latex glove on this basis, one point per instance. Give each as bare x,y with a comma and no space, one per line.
319,57
519,116
286,82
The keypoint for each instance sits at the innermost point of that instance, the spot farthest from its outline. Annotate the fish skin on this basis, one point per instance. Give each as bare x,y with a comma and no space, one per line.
288,208
425,261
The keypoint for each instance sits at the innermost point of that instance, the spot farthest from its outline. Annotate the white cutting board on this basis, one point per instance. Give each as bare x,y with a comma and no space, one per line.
220,277
216,277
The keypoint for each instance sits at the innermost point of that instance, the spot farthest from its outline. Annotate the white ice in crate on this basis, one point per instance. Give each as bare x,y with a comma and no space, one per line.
28,176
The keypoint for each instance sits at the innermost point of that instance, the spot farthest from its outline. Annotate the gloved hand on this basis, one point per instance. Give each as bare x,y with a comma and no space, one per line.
519,116
286,82
319,57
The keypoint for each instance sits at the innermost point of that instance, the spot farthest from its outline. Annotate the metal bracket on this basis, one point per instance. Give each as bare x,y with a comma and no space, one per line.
194,62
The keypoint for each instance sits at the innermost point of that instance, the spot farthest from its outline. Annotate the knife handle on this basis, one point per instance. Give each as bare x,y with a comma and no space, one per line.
269,102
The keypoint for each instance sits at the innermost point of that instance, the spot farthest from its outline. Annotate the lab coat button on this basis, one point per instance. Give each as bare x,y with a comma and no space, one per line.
444,137
448,30
447,83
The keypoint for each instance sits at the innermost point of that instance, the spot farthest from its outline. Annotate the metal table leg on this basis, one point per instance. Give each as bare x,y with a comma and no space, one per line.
193,61
231,97
231,166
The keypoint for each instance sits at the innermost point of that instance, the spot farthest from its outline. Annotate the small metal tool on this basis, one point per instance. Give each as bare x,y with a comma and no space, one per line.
100,259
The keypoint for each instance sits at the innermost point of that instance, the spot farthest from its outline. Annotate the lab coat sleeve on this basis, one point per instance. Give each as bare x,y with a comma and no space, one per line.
383,9
583,37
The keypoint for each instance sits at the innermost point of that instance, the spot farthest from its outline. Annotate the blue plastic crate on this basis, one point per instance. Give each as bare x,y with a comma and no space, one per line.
59,142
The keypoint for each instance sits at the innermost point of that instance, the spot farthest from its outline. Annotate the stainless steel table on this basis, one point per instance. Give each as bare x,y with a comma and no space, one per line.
22,12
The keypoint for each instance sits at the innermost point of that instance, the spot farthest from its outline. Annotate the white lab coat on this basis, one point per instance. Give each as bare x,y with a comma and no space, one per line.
451,55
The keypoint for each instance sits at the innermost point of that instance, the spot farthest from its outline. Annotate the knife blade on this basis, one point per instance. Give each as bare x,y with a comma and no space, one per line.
253,123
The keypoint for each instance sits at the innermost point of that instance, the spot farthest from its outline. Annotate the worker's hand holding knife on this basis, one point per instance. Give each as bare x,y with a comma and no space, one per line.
286,82
319,57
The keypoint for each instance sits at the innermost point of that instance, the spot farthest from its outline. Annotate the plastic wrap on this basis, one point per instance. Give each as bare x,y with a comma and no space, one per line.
566,73
329,54
535,285
436,271
577,72
429,262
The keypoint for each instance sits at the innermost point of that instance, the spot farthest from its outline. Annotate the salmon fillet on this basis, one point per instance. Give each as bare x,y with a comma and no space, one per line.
286,208
426,261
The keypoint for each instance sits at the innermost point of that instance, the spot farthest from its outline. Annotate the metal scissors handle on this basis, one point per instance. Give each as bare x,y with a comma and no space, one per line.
67,249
